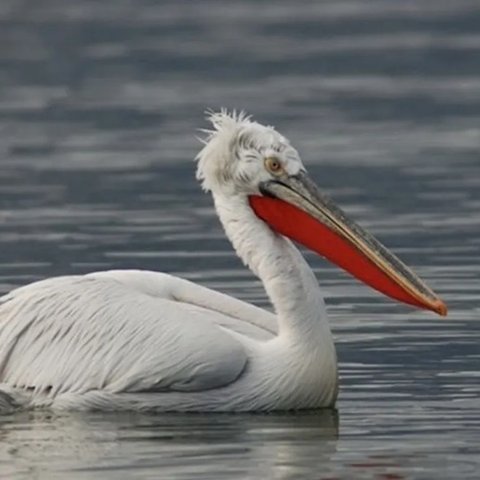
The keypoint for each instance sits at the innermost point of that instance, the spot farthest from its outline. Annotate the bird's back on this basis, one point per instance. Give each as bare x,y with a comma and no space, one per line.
76,334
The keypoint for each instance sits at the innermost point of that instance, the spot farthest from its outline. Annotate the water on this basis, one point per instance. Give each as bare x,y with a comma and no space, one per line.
99,106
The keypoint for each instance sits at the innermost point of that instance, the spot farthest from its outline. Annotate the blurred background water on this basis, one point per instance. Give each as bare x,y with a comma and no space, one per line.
100,103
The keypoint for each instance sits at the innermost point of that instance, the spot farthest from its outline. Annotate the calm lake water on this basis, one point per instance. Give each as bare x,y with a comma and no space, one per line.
100,103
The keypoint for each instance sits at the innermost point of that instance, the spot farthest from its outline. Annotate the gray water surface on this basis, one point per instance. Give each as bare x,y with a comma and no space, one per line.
100,103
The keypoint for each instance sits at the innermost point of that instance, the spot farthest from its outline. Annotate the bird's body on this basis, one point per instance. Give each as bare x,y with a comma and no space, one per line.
158,351
144,340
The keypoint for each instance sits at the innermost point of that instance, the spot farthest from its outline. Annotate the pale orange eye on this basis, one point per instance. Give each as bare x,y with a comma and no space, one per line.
273,165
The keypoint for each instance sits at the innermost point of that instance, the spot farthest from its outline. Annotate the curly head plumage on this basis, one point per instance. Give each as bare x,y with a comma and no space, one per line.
235,149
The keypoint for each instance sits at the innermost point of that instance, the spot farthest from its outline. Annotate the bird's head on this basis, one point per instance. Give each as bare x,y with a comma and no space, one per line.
243,158
240,155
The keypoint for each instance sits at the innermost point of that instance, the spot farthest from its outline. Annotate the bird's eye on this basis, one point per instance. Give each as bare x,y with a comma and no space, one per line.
273,165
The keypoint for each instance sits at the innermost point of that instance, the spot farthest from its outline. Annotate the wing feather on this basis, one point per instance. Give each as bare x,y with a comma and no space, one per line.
80,333
235,314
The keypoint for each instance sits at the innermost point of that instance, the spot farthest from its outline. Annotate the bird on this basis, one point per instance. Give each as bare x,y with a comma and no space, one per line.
149,341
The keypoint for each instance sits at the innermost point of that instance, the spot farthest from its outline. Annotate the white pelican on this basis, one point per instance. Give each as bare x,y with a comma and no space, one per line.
143,340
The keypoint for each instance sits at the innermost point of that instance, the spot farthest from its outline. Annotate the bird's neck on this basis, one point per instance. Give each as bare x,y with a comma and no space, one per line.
286,276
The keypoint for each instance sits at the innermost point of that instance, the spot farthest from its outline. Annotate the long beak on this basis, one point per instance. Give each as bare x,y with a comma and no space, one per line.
294,206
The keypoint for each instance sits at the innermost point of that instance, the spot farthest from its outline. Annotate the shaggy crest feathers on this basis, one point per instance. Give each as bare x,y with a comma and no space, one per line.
231,131
224,120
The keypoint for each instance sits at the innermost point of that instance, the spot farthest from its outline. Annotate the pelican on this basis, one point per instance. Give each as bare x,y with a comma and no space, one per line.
143,340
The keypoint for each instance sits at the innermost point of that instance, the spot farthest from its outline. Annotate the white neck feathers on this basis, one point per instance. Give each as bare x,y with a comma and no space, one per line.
287,278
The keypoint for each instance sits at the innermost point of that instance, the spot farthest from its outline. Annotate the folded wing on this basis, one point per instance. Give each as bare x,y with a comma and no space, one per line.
109,332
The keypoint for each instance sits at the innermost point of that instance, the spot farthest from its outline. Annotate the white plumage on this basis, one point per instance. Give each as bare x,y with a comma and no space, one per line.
145,340
134,340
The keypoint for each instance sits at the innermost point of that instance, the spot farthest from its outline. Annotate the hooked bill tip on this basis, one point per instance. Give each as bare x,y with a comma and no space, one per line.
440,308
